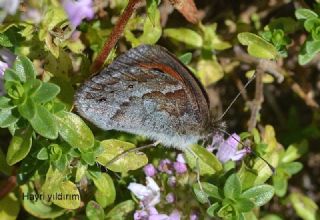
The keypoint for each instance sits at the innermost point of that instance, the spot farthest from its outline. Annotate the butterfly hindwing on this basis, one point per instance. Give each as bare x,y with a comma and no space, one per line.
146,91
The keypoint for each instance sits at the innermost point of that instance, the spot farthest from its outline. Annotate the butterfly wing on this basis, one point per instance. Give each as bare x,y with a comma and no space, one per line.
147,91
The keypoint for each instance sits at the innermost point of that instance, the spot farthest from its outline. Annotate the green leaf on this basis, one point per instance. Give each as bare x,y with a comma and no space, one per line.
130,161
212,210
232,187
208,163
94,211
304,206
71,196
47,92
104,184
259,195
9,207
292,168
7,118
186,58
19,146
5,103
11,75
311,24
226,212
257,46
211,40
313,47
32,86
244,205
24,68
120,211
37,208
5,40
294,151
74,131
209,71
152,6
44,123
152,27
303,13
209,189
27,109
280,183
184,35
305,58
43,154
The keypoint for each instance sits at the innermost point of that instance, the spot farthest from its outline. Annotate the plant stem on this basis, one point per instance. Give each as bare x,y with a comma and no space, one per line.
114,36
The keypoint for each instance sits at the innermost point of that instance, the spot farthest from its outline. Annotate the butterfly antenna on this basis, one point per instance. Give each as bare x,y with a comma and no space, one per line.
237,96
249,149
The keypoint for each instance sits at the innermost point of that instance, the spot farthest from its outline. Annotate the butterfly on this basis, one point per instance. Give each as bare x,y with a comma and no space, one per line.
148,91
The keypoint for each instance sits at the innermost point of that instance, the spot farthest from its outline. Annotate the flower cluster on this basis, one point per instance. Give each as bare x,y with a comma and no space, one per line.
149,195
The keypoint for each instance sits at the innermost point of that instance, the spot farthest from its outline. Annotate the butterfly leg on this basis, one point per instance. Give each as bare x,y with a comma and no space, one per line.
198,173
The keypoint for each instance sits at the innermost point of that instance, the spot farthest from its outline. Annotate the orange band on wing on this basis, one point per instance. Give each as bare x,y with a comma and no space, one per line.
163,68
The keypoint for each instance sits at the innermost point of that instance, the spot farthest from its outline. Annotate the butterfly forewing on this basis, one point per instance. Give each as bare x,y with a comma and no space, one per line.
147,91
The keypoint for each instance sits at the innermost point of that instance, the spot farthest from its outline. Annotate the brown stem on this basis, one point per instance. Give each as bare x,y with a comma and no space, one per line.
9,185
115,35
258,99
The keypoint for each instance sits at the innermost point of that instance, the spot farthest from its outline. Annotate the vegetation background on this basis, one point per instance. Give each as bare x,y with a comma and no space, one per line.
49,47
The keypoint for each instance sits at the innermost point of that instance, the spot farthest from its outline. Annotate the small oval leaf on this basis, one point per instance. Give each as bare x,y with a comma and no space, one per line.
44,123
130,161
74,131
259,195
184,35
70,196
257,46
20,146
208,163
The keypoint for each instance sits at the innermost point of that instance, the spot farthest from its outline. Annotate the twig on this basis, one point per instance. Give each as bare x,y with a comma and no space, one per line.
268,66
258,99
115,35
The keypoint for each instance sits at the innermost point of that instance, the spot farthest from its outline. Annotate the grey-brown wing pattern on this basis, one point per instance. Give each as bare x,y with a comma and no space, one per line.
146,91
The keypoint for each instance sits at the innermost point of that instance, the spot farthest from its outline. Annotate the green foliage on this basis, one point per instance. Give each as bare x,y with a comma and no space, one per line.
311,23
232,201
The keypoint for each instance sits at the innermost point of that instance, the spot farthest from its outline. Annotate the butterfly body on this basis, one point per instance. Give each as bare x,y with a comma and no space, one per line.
147,91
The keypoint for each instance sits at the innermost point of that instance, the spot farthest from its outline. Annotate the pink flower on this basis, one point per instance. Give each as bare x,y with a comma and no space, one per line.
217,139
150,170
228,149
180,167
151,213
78,10
149,195
170,198
165,166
